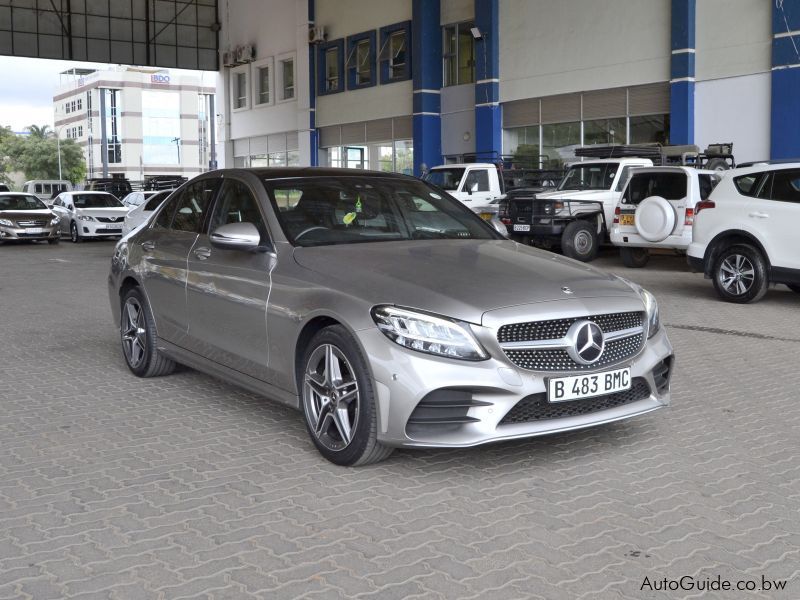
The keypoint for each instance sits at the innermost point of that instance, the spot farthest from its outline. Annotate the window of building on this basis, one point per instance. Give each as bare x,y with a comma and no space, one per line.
239,91
80,130
650,128
263,81
66,107
360,63
286,74
74,106
605,131
395,57
390,156
330,65
458,52
113,109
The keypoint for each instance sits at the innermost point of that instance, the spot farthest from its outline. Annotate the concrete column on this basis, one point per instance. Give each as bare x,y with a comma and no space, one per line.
785,113
488,117
681,96
426,72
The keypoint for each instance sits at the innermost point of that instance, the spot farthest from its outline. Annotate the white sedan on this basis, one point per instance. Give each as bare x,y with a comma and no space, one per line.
142,212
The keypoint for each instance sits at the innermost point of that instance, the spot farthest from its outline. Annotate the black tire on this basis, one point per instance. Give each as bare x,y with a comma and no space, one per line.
579,241
740,274
634,258
52,241
74,234
363,447
150,362
794,287
717,164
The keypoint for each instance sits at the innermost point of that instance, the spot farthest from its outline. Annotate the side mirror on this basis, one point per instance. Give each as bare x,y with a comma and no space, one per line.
236,236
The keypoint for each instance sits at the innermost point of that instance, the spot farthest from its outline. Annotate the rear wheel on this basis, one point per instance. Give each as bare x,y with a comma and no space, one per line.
634,258
338,400
138,335
579,241
74,235
740,274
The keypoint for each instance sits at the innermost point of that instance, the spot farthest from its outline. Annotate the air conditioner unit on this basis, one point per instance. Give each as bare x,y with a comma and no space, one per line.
228,59
245,54
316,34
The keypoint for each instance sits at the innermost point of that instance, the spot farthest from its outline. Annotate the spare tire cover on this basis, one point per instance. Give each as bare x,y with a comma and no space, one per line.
655,218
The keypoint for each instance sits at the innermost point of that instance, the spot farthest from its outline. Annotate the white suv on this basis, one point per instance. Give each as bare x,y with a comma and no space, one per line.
656,210
745,234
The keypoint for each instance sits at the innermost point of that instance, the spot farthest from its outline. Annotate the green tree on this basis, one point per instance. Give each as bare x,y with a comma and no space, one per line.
36,155
5,166
40,132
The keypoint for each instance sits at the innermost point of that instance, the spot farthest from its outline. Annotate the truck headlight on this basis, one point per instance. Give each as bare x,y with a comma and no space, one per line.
427,333
651,308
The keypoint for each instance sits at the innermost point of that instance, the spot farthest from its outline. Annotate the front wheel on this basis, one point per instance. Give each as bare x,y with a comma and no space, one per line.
73,233
740,274
138,335
579,241
338,400
634,258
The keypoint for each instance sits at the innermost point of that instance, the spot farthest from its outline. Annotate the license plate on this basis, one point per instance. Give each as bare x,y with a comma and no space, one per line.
522,227
627,220
561,389
34,230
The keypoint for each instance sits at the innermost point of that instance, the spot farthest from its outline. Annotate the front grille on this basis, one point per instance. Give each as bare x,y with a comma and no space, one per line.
557,328
557,359
537,408
110,219
32,223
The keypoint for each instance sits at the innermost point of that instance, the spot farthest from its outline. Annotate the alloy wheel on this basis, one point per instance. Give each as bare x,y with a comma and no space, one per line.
736,274
331,397
134,333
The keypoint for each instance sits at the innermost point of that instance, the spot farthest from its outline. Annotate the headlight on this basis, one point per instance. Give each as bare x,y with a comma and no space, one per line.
651,307
85,218
6,222
428,333
55,221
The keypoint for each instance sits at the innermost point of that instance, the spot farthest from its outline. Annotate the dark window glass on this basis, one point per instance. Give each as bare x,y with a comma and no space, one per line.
764,188
477,181
707,185
447,179
786,186
589,176
746,184
155,201
101,200
20,202
236,204
164,219
193,205
670,186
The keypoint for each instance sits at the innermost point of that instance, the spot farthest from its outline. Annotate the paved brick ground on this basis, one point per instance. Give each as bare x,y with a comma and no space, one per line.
184,487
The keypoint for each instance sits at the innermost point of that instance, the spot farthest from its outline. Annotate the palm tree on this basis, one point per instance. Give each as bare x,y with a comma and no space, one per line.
40,132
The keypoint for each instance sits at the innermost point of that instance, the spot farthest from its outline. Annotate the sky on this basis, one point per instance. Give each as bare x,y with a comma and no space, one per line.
26,95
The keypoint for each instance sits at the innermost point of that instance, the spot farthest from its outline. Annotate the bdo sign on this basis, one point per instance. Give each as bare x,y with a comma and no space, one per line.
159,78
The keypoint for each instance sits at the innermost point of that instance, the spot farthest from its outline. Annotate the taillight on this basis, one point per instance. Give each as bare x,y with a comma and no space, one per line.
703,205
617,211
505,221
689,217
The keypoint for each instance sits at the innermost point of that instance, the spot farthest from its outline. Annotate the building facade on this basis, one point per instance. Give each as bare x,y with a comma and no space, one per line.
406,84
134,122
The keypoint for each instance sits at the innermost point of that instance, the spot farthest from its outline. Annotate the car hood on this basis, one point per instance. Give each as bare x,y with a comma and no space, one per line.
462,279
23,215
120,211
575,194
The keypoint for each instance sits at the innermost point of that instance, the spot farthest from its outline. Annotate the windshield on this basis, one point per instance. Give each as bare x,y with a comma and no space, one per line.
447,179
21,202
348,210
589,176
95,201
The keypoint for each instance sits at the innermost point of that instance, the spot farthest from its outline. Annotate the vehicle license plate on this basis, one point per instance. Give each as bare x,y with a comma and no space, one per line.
627,220
561,389
34,230
522,227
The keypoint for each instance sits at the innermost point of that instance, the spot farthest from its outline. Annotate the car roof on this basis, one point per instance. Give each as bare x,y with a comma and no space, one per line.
464,166
300,172
676,168
81,192
761,167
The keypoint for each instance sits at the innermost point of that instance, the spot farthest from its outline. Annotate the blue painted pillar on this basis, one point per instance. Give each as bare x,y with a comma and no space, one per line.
488,117
426,71
785,113
681,86
312,95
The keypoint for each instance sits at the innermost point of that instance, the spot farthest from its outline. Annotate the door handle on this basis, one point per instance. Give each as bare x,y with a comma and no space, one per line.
148,246
202,253
759,215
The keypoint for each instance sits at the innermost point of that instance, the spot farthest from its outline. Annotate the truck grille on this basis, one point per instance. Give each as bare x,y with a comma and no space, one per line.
557,359
537,408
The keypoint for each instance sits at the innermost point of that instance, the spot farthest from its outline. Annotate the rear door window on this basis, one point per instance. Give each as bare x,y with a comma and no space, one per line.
670,186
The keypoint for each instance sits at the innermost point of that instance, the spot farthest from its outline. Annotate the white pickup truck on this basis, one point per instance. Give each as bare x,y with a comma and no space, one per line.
575,216
474,184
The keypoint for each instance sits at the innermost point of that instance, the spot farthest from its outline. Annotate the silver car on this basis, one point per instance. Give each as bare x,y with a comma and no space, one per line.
384,310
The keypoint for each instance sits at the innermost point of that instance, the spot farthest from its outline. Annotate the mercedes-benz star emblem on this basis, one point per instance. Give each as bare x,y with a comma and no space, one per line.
586,342
566,290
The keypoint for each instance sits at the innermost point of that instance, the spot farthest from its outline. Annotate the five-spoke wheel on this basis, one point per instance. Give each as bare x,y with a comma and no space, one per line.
137,332
740,274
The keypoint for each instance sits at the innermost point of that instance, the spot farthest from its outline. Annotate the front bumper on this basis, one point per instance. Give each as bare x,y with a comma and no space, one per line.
404,377
98,229
23,233
632,239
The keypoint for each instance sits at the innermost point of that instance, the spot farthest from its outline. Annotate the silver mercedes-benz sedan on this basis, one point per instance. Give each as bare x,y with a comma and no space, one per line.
383,309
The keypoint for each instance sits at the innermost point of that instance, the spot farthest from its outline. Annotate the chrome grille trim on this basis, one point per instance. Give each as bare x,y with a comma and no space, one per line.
564,342
32,223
